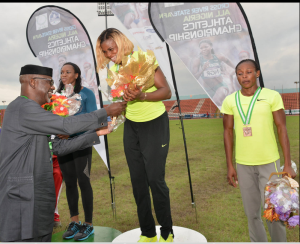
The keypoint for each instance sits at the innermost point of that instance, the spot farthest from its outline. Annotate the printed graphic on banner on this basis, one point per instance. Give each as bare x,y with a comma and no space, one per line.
62,40
135,17
210,38
54,18
41,21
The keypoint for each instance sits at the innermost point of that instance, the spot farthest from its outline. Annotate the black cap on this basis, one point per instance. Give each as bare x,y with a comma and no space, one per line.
31,69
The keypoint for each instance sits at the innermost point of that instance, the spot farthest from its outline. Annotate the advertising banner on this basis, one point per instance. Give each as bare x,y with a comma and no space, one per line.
56,36
210,38
134,16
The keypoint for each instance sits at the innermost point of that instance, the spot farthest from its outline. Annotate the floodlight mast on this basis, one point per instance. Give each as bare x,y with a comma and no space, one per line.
104,10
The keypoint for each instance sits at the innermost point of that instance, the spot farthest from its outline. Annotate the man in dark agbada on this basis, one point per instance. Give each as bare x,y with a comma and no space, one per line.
27,192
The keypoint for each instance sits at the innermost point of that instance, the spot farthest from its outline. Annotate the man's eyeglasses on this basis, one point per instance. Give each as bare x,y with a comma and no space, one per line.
51,80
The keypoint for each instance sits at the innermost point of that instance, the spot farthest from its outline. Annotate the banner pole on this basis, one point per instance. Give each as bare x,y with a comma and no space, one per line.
107,157
182,127
261,82
111,178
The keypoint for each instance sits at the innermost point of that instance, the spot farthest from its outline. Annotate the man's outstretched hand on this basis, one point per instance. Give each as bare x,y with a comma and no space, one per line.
103,130
115,109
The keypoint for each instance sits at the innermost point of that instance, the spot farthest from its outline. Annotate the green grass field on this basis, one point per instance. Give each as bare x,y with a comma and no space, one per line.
219,209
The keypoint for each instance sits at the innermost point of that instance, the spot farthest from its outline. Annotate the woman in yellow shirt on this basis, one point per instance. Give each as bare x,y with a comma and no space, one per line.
252,111
146,138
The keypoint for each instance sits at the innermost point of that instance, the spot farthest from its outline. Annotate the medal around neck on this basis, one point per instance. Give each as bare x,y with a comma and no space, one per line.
247,130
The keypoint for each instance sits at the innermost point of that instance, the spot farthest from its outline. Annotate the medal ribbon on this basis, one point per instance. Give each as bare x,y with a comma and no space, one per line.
246,118
50,147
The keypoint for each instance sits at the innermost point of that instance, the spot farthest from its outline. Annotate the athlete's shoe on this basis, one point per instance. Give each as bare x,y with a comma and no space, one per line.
147,239
72,230
169,239
84,233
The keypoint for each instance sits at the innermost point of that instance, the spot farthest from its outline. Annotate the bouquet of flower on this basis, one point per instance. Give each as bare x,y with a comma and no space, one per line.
282,201
132,74
65,104
116,95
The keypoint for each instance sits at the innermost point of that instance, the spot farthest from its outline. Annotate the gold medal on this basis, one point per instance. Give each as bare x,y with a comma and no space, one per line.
247,131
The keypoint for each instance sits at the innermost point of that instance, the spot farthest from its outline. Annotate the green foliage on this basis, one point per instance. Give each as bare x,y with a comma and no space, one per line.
48,107
219,209
117,99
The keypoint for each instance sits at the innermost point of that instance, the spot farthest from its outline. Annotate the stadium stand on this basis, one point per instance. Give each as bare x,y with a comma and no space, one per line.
198,108
290,100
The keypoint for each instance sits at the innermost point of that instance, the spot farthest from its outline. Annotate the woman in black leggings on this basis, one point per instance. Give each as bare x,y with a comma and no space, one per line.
76,166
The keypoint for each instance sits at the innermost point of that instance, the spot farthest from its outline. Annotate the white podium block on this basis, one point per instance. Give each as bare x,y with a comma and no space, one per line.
182,235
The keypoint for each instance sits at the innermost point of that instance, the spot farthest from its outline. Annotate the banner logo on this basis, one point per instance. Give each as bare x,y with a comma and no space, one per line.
54,18
41,21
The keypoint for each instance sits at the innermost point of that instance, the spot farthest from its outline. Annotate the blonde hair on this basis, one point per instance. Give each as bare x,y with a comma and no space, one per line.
125,46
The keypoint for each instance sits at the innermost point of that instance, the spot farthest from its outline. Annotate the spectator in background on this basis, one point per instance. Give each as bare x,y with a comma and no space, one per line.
76,166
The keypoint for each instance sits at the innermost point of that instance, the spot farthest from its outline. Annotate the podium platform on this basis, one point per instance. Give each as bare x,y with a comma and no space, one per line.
101,234
182,235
